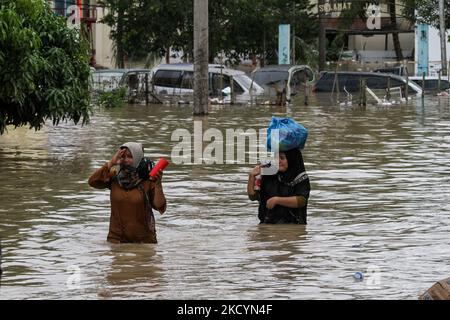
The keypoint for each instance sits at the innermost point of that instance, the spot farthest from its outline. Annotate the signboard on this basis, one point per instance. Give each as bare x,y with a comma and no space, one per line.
422,50
284,48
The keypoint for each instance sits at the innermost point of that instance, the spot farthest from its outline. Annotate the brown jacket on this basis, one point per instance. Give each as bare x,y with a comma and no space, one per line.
129,221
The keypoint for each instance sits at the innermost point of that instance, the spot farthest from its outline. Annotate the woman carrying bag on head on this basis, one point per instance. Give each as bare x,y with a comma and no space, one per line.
133,195
283,197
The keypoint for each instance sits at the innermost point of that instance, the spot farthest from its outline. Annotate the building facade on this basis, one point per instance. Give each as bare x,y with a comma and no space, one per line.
371,38
90,14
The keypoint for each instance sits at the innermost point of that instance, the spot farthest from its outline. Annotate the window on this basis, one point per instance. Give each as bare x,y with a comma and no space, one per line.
237,88
351,84
396,83
270,78
168,78
187,80
325,83
310,74
375,82
297,81
132,80
297,78
106,81
434,84
341,80
218,82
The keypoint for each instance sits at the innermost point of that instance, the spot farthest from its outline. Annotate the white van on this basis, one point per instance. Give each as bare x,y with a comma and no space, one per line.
178,79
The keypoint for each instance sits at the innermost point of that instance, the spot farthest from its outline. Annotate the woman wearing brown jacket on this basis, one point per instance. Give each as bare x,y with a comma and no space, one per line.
132,196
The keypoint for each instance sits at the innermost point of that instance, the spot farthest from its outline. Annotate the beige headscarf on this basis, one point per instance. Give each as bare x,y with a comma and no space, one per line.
137,151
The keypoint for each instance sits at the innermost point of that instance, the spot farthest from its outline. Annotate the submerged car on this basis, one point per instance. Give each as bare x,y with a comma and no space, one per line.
431,82
399,71
276,78
178,79
107,79
133,80
349,81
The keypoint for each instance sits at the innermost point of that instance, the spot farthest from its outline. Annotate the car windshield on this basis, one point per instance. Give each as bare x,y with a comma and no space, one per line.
106,80
267,78
415,86
245,81
432,84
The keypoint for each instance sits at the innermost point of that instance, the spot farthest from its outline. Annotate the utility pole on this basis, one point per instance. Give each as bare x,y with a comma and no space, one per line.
443,38
322,35
119,40
201,57
293,35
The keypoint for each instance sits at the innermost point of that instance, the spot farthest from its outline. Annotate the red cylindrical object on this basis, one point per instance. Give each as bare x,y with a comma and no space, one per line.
161,165
257,185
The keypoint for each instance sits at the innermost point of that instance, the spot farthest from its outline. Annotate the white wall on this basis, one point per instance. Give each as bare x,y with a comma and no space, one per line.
102,43
377,42
434,52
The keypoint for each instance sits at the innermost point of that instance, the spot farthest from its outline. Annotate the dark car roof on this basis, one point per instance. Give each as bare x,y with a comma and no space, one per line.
363,73
325,76
398,70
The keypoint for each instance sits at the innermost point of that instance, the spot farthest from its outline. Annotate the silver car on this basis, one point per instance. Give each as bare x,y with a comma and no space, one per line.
177,79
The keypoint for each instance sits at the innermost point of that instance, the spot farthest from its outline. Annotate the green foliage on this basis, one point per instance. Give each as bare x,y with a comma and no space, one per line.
112,99
307,53
149,26
236,27
428,12
44,71
336,47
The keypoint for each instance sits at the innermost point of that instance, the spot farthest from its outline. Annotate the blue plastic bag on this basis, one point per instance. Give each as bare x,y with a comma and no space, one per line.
292,134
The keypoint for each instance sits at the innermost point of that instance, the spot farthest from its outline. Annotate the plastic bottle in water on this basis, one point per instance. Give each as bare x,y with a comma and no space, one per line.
358,275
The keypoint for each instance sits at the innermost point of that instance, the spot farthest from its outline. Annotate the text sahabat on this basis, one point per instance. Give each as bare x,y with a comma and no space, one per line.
330,7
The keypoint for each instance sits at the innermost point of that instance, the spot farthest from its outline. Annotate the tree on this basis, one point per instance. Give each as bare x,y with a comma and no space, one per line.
141,27
395,37
250,27
236,27
44,70
428,12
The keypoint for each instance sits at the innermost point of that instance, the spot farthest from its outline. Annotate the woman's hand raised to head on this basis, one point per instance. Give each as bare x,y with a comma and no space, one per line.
256,171
116,158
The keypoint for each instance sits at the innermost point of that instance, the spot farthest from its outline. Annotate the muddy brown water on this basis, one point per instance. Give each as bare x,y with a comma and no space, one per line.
379,204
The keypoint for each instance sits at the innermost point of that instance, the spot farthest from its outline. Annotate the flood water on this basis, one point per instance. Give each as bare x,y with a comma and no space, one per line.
380,204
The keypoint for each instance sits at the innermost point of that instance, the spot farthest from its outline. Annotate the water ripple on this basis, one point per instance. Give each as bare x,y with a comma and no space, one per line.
379,204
